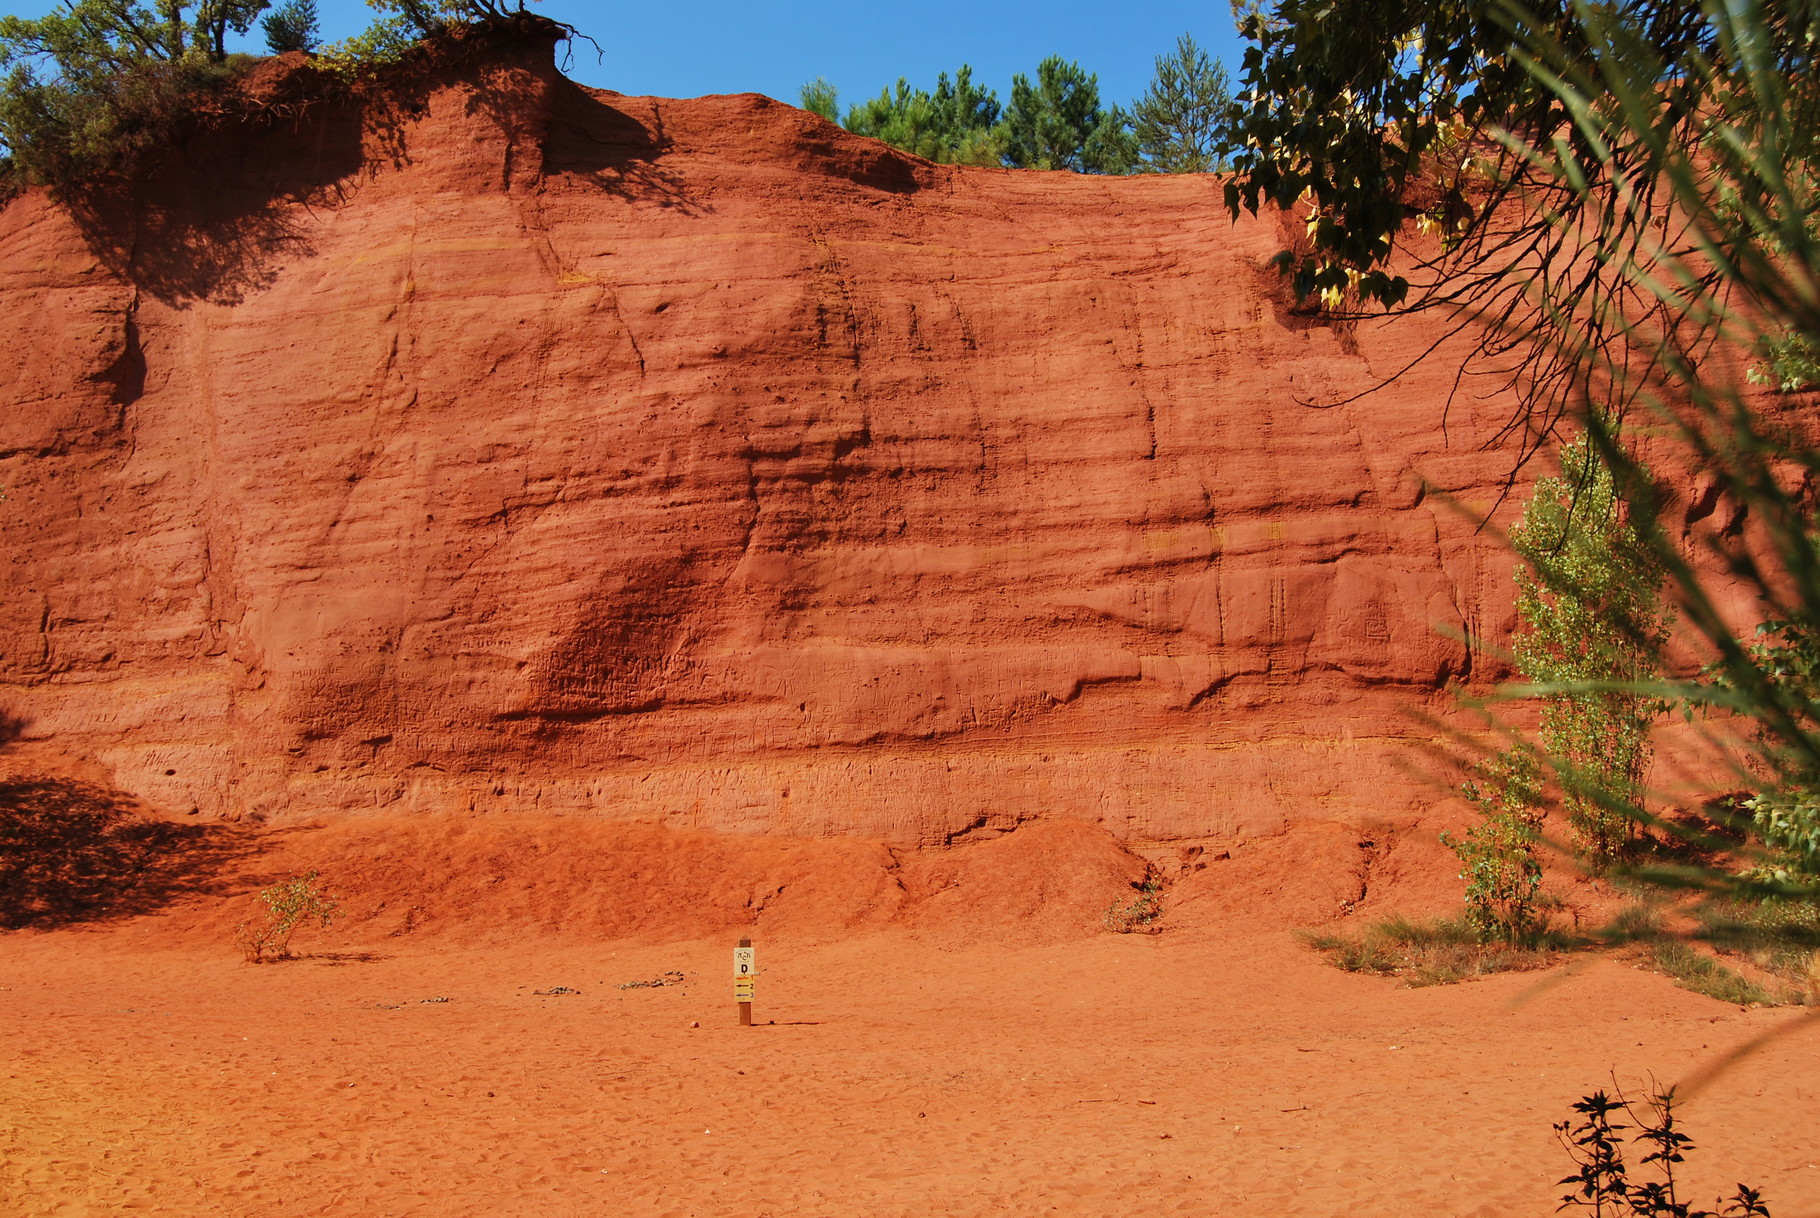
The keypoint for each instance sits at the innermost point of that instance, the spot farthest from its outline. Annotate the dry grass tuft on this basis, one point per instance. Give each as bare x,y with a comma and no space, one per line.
1438,952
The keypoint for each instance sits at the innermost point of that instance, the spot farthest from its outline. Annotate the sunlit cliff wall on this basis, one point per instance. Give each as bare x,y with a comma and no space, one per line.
506,445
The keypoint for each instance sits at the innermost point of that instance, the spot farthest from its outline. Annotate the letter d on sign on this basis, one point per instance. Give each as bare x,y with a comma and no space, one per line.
744,965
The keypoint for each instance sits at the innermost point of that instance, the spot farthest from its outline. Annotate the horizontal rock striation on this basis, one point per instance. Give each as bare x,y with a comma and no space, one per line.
499,445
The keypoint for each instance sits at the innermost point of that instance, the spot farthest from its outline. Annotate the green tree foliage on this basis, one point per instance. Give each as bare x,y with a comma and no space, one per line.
1447,117
215,18
402,24
1057,123
1787,814
1498,855
820,97
291,27
96,84
1731,198
1620,202
94,81
83,39
1176,122
956,123
1382,117
1592,624
1345,113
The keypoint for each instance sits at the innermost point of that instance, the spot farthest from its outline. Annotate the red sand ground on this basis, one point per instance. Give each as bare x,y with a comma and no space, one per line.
957,1050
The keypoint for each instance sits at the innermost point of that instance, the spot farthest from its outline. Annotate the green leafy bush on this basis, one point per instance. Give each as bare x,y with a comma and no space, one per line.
1790,363
1592,622
1498,855
1785,657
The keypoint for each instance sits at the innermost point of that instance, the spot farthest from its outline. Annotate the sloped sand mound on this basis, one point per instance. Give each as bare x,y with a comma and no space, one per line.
489,880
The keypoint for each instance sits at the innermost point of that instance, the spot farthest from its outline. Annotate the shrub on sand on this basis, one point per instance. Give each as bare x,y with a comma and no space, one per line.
287,906
1141,912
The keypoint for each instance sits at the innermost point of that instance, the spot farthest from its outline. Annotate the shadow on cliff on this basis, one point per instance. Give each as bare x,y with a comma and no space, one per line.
230,199
234,193
75,852
596,143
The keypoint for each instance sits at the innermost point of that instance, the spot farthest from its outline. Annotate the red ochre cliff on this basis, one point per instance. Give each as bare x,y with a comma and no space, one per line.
505,446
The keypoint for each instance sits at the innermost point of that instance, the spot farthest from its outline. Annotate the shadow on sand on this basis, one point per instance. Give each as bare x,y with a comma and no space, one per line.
73,852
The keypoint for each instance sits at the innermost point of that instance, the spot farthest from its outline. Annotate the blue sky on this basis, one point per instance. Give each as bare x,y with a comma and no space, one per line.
719,46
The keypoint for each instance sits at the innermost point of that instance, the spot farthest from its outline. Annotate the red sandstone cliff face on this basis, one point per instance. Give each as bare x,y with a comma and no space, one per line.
515,447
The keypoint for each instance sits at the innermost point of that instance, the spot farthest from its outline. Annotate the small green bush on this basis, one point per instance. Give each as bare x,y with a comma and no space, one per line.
403,25
1498,855
1141,912
287,906
1790,363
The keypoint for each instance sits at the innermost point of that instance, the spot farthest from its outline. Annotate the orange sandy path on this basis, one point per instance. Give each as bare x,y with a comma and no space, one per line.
1214,1075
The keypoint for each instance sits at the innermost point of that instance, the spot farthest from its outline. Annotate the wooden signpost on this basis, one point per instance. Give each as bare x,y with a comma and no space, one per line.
743,968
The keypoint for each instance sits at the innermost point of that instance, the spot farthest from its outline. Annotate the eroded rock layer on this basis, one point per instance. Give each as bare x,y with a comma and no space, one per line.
507,446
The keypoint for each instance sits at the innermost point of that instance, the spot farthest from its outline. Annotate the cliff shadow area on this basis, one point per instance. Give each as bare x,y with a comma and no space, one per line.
227,203
73,851
598,143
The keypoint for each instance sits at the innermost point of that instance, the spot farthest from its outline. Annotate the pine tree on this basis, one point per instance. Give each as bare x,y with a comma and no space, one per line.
820,97
954,124
1057,123
1176,120
291,27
